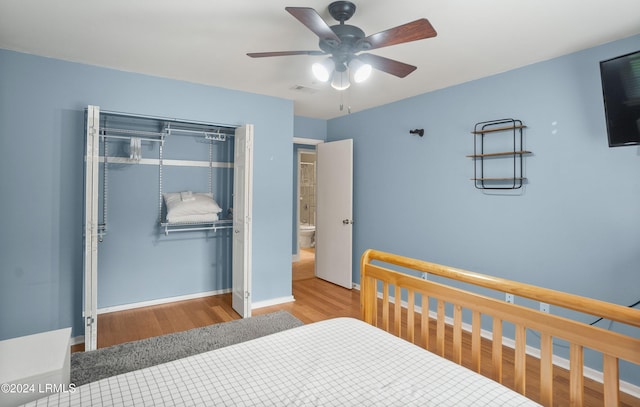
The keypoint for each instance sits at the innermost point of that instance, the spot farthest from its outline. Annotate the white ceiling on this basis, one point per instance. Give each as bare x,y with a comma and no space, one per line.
206,41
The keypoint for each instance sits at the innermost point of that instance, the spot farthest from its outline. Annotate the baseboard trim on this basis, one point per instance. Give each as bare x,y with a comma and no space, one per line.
124,307
255,305
77,340
274,301
593,374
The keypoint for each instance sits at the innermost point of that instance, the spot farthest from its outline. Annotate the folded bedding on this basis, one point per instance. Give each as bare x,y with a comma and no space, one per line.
187,196
207,218
191,207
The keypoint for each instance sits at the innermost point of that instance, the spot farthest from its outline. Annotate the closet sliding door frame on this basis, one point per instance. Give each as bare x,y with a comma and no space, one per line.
92,233
91,169
242,221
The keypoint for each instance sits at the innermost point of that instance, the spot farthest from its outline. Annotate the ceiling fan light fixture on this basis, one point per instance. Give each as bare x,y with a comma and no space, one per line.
340,81
322,70
361,71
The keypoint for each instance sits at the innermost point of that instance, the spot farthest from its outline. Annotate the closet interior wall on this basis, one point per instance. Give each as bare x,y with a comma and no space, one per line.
138,261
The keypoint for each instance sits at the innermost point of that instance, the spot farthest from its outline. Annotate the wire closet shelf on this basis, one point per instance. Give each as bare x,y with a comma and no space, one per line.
118,126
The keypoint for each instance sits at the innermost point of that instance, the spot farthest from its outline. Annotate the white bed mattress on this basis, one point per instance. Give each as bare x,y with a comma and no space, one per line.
339,362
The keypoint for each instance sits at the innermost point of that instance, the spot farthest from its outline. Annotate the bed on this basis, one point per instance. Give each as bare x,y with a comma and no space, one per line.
328,363
345,361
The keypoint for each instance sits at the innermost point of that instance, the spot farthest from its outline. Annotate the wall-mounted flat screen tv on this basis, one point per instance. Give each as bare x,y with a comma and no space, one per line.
621,91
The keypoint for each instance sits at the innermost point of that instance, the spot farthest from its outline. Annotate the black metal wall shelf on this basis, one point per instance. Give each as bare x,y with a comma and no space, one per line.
516,179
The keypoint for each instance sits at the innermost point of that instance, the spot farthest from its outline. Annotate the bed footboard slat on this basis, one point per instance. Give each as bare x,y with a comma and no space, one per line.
546,369
476,340
397,310
611,380
410,316
440,329
520,358
424,321
496,350
385,306
576,375
457,334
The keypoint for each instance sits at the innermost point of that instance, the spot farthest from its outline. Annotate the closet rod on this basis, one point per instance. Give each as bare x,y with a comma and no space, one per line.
129,138
208,134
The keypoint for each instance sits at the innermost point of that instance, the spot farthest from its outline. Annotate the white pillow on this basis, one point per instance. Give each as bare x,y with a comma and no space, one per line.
196,204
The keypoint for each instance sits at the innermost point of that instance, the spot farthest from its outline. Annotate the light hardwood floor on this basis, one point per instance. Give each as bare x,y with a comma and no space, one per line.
315,300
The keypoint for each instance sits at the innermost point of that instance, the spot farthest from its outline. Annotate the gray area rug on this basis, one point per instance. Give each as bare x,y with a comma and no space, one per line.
87,367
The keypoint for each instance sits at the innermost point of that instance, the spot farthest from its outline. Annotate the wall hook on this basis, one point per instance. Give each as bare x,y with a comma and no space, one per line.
419,132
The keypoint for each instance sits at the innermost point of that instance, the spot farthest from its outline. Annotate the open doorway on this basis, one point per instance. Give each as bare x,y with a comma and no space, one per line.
331,212
304,266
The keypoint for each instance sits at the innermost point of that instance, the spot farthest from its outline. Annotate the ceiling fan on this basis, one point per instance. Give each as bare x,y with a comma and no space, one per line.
344,43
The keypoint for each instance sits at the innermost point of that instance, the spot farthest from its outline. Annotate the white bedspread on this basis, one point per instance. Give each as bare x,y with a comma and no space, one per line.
339,362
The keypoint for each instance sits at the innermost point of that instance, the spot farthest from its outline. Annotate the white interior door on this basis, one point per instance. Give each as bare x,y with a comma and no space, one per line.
334,212
242,202
90,303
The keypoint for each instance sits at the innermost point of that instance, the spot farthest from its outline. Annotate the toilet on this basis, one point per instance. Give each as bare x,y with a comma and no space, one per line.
307,236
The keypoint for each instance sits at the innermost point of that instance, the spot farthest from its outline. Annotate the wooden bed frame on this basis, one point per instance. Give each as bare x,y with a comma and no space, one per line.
392,315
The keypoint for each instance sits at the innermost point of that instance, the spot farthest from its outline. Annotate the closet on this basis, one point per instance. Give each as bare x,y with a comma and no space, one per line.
167,211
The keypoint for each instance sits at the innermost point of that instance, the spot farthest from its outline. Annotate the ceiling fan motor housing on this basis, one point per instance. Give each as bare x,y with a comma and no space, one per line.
351,37
351,42
342,10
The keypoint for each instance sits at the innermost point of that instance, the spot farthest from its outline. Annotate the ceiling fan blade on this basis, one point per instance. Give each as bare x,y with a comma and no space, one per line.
393,67
312,20
413,31
283,53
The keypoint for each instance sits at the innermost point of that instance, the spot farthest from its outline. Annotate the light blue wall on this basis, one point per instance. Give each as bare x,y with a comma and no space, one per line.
42,104
576,225
310,128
